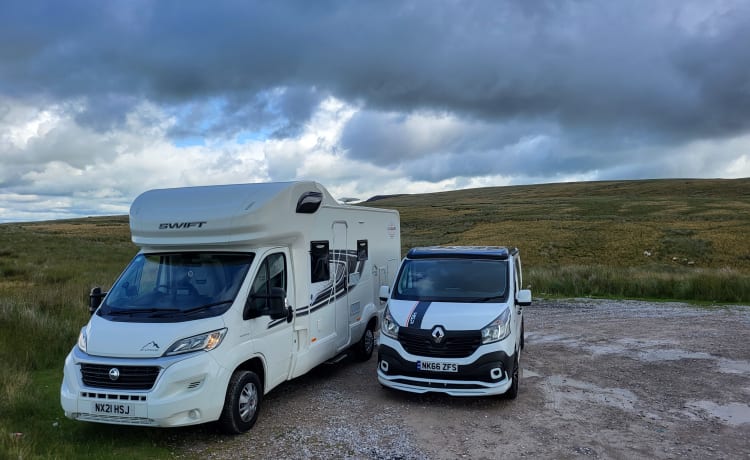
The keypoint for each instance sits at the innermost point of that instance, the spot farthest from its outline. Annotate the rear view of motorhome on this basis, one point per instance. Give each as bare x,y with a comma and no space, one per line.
235,290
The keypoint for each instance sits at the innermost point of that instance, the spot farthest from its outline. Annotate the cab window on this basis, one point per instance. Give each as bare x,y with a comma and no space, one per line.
271,274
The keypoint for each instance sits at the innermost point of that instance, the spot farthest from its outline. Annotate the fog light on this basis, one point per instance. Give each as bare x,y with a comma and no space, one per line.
384,366
194,414
496,373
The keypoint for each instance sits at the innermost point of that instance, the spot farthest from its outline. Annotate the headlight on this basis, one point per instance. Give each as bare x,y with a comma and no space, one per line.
498,329
390,327
82,340
207,342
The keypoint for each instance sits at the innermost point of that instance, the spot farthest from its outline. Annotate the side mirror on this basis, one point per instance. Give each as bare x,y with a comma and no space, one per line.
273,305
277,303
523,298
95,299
384,293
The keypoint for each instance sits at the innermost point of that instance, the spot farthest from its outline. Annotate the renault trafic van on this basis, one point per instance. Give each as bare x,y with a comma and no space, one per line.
454,322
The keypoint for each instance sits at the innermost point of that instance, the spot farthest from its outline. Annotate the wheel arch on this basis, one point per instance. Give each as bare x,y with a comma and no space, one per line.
256,365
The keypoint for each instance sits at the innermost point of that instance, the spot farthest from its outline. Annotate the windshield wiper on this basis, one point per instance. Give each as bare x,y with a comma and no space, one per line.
487,299
208,305
135,311
161,312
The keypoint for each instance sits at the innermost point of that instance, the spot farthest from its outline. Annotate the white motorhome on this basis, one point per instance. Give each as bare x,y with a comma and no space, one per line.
454,322
235,289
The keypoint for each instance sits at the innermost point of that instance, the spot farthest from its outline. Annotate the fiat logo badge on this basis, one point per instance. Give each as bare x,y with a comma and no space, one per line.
114,374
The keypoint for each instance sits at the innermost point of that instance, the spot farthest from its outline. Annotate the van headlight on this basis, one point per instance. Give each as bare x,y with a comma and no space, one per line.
390,326
83,340
498,329
207,342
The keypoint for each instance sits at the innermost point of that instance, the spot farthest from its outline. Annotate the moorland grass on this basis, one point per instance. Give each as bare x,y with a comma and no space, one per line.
669,239
675,239
46,272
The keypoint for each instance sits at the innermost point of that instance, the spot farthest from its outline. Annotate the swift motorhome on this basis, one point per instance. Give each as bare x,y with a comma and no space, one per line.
454,322
235,289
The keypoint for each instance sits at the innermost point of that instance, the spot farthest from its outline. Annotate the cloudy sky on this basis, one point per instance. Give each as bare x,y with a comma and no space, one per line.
102,100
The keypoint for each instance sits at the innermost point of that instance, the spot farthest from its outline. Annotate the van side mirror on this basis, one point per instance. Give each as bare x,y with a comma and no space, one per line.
523,298
95,299
385,292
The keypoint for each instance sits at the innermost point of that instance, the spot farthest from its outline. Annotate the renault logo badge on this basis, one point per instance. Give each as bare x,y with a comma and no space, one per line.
438,334
114,374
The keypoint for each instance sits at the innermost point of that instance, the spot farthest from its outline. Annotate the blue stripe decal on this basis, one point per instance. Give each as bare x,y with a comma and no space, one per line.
415,320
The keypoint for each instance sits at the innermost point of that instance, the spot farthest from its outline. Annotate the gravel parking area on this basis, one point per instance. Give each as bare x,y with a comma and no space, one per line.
601,379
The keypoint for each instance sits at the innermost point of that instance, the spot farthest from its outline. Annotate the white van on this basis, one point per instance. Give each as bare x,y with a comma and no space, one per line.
235,290
454,322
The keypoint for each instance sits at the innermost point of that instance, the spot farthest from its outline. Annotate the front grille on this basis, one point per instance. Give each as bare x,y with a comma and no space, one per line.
130,378
114,419
455,344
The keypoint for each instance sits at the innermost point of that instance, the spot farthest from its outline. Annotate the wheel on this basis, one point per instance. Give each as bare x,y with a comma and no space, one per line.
515,376
242,403
363,349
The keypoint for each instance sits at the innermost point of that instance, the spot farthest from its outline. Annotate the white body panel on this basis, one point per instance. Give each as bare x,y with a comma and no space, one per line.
329,316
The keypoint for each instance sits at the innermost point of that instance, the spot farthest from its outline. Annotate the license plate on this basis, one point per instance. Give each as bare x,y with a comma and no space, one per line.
119,410
436,366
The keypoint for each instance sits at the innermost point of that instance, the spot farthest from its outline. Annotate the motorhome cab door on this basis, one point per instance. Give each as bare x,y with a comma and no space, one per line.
273,338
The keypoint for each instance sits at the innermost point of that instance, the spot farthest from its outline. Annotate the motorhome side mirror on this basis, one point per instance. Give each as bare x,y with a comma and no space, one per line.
523,298
277,303
385,291
259,305
95,299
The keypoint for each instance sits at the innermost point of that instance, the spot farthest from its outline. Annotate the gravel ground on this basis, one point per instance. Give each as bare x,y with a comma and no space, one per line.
601,379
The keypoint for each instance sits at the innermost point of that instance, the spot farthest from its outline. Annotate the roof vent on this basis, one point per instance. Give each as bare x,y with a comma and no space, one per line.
309,202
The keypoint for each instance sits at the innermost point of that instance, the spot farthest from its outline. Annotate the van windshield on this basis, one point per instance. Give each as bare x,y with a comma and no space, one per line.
453,280
171,287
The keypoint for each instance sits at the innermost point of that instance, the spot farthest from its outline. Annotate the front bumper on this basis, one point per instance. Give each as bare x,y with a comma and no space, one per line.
189,390
481,375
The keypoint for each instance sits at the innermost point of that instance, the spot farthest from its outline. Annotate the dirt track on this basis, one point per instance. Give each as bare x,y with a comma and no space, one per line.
602,379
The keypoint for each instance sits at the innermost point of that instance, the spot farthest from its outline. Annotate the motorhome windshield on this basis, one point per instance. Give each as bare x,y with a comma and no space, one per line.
453,280
172,287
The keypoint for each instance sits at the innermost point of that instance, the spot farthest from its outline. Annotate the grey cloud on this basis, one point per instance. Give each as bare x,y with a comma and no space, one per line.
468,148
672,70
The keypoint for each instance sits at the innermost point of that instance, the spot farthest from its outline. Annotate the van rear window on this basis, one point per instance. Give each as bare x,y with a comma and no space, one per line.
453,280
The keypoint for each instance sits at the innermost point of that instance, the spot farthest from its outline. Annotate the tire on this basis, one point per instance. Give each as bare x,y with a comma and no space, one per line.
242,403
512,392
364,348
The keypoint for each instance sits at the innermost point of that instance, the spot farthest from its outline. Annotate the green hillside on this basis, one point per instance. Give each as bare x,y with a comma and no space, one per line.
601,223
671,239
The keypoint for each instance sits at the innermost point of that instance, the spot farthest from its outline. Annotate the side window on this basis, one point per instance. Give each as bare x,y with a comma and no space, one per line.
271,274
517,269
131,286
361,250
320,269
